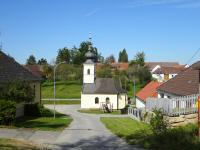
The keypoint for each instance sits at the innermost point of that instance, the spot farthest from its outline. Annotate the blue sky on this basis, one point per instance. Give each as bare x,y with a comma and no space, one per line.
166,30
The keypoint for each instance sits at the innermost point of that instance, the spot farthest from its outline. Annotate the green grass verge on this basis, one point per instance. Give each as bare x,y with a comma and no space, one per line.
138,133
45,123
130,92
11,144
62,102
64,89
97,111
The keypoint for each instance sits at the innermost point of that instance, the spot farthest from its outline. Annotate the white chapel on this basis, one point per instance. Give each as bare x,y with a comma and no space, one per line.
99,91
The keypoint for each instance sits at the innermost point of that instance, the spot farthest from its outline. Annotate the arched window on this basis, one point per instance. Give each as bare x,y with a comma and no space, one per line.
88,71
96,100
107,100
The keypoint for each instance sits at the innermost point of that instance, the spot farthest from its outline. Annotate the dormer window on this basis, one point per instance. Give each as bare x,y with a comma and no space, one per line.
88,71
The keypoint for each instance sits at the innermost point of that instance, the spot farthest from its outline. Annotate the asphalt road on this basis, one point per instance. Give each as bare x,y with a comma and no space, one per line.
87,132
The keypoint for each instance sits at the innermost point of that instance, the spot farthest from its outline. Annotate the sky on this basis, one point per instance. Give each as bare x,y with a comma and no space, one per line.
166,30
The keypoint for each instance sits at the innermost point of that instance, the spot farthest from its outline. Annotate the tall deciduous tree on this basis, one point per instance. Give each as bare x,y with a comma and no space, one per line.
31,60
140,58
110,59
42,61
63,55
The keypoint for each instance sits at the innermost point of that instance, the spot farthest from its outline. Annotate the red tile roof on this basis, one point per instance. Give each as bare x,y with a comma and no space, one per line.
152,65
35,69
150,90
170,70
119,66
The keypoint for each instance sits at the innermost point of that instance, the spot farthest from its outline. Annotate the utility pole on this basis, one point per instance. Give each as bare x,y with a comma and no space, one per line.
54,114
198,101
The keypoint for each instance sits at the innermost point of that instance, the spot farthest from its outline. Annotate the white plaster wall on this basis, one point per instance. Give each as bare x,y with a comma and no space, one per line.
156,67
37,91
166,95
122,100
88,100
172,75
88,78
159,77
139,103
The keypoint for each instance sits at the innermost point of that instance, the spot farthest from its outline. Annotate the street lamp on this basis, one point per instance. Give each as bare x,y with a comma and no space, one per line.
55,86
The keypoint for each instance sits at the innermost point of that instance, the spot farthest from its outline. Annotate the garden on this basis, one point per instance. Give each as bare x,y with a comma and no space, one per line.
156,135
35,117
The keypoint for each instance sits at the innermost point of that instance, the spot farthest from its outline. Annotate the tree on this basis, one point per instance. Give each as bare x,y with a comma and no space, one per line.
42,61
31,60
110,59
104,71
63,55
123,56
140,58
48,72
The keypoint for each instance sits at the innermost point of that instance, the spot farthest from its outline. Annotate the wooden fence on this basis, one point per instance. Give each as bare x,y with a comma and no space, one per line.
175,106
135,113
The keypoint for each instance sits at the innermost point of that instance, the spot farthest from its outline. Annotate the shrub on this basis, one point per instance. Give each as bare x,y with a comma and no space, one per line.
36,110
18,91
32,110
7,112
157,122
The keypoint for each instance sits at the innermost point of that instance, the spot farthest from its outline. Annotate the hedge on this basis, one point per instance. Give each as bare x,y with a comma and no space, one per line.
7,112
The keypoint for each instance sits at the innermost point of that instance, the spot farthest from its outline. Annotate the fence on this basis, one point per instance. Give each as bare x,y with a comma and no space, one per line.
175,106
135,113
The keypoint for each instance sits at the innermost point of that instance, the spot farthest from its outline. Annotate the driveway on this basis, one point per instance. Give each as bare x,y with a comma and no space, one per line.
87,132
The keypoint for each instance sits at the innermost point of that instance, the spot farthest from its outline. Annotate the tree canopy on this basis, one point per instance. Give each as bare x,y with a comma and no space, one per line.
31,60
110,59
42,61
123,56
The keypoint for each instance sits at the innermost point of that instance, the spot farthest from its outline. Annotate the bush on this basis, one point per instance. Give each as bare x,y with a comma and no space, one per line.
157,122
7,112
36,110
18,91
32,110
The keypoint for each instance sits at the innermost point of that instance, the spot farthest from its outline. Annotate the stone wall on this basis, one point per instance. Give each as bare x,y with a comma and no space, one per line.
182,120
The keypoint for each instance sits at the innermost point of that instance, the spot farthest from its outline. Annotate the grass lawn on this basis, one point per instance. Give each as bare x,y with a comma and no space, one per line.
11,144
64,89
46,122
61,102
123,126
97,111
138,133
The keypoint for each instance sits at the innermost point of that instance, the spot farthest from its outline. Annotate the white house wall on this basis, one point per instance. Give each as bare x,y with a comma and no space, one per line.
139,103
172,75
88,100
166,95
88,78
122,100
159,77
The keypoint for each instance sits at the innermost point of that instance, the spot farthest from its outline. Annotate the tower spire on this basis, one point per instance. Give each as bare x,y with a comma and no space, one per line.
90,42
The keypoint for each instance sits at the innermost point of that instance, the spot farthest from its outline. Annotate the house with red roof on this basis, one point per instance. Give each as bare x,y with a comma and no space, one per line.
150,90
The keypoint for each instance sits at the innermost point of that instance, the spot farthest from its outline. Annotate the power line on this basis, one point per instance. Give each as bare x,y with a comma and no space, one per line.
196,52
